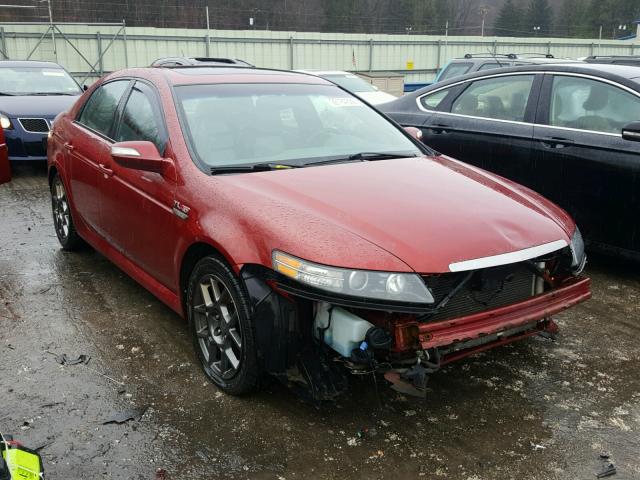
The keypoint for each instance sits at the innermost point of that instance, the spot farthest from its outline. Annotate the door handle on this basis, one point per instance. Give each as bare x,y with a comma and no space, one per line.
105,170
556,142
68,146
439,128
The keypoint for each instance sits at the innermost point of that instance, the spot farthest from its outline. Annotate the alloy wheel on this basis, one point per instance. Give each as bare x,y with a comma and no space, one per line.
217,327
60,205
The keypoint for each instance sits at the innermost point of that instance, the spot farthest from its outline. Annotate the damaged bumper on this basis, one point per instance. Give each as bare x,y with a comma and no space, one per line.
503,319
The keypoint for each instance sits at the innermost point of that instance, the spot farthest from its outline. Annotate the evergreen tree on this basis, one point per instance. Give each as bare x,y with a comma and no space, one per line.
509,20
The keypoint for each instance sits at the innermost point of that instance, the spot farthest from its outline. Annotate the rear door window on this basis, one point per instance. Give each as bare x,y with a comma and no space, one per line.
99,112
586,104
491,65
141,118
431,101
501,98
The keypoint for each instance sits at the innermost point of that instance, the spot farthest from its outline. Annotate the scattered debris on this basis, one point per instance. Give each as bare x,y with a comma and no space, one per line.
409,413
537,446
135,349
403,386
161,474
352,441
607,470
64,359
126,415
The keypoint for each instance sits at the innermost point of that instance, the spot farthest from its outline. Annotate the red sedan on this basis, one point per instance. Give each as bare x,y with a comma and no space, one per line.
301,232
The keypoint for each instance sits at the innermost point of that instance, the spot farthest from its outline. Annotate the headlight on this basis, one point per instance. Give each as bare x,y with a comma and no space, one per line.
5,123
578,257
396,287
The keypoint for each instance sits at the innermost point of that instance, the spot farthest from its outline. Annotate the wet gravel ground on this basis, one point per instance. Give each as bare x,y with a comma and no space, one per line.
536,410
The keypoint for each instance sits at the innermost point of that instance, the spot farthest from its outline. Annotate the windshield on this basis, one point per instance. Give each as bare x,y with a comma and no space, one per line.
351,82
37,80
246,124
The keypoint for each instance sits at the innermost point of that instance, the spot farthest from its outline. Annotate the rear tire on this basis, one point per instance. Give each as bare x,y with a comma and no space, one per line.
219,321
62,220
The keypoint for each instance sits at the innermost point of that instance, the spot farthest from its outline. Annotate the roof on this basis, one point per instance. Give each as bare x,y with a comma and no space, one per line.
223,74
28,63
599,69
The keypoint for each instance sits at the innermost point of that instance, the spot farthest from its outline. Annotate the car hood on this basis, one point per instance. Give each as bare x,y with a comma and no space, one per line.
376,98
427,212
36,105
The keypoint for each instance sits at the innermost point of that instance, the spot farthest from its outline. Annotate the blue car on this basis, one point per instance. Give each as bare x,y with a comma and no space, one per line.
32,94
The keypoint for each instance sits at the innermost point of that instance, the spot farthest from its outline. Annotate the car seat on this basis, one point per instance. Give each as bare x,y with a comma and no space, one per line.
597,101
495,107
468,105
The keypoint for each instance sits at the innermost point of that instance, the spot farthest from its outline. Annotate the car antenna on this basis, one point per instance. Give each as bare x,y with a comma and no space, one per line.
495,57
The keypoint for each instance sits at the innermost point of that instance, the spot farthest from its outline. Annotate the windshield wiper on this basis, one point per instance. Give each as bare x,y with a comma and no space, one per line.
372,156
5,94
256,167
46,94
360,157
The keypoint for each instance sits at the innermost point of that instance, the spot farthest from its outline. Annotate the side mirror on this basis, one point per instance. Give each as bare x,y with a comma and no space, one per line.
139,155
414,132
85,87
631,132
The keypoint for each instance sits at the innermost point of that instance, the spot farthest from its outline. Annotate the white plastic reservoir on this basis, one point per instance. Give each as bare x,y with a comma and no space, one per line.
346,331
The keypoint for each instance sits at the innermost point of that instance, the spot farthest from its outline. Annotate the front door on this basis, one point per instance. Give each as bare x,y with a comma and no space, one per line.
584,164
489,125
138,209
87,143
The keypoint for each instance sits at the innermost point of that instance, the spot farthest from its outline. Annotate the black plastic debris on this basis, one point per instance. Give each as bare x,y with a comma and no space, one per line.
126,415
64,359
608,470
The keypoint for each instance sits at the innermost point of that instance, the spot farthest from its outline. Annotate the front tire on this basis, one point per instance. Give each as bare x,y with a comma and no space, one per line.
62,220
219,320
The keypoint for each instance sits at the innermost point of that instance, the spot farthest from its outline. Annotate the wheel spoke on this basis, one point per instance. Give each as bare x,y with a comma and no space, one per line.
206,296
235,336
202,309
215,288
203,332
230,355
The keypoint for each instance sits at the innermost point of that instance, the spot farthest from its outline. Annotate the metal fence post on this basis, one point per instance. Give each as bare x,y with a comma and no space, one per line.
208,38
3,41
290,53
548,48
100,61
371,55
439,52
124,38
591,49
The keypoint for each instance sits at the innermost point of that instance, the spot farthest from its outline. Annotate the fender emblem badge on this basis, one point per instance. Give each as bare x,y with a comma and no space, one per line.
180,210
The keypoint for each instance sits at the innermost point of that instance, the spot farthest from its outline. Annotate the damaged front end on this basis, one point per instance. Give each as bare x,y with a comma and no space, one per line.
312,336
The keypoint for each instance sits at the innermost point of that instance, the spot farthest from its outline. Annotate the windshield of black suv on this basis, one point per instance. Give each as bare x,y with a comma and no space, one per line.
37,80
245,124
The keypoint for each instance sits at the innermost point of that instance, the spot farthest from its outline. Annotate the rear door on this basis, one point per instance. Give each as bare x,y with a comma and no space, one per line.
138,208
582,161
488,123
88,145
